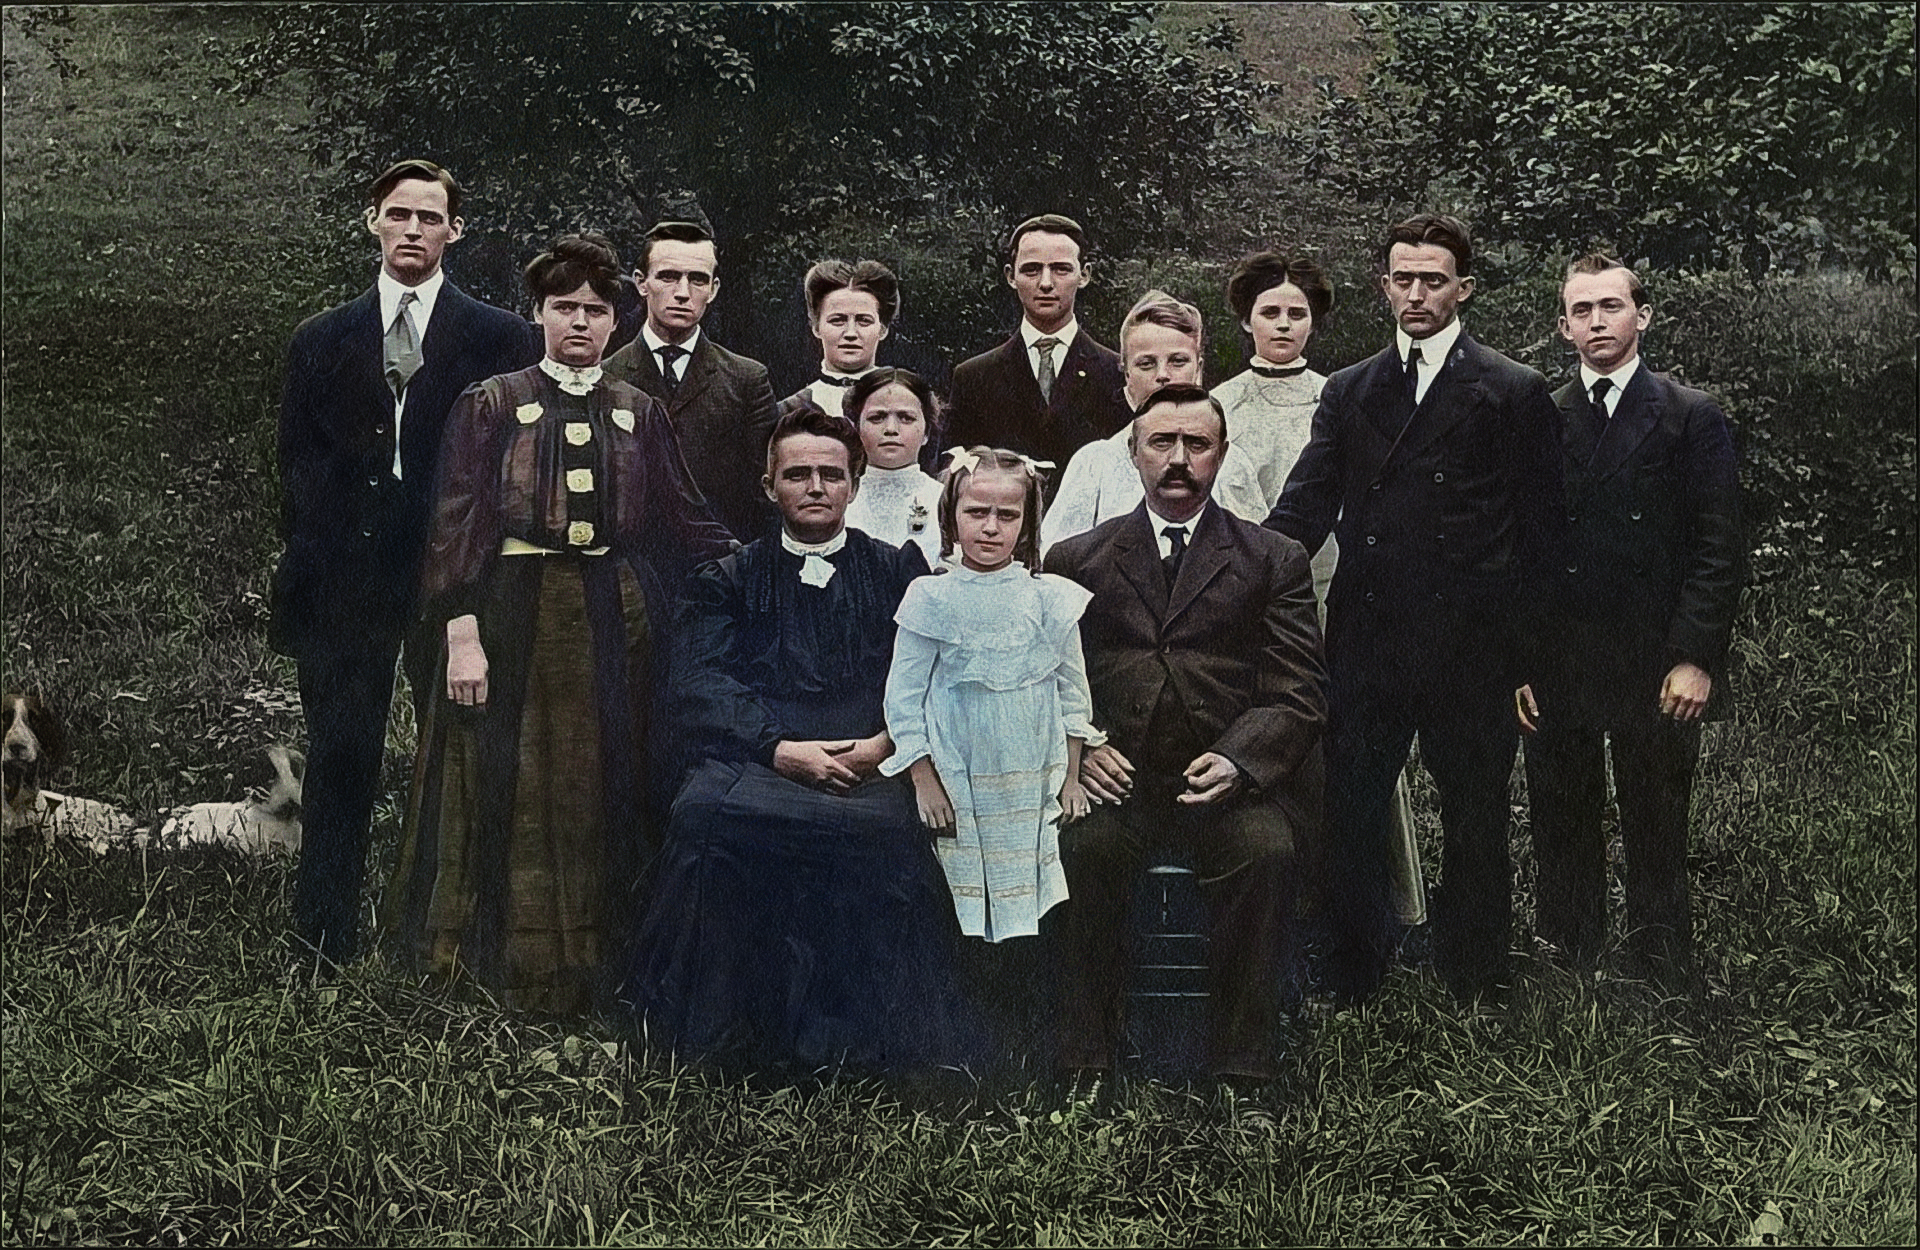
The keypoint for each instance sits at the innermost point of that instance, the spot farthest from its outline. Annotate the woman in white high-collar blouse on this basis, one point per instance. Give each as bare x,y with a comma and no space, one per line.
850,308
1280,300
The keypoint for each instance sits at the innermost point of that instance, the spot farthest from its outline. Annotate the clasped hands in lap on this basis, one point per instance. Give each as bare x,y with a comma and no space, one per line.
833,765
1108,777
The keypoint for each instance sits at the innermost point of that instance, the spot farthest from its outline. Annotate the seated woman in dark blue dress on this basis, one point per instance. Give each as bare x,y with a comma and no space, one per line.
798,916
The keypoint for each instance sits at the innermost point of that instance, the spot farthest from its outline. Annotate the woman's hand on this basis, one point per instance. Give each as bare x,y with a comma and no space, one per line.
936,809
818,765
1073,801
466,662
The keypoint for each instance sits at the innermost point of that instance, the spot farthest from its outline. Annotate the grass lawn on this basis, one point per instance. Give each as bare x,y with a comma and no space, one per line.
165,1075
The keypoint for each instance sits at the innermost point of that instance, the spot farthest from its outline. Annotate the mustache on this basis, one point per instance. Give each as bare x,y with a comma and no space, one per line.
1174,473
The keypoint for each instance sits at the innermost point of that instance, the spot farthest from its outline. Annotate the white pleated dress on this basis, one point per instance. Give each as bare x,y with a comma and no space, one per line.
988,679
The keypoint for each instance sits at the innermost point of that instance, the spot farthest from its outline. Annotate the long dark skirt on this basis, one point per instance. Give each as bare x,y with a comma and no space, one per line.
527,818
798,930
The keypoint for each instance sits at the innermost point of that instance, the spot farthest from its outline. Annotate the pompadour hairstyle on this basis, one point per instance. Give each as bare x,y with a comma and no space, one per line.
1259,273
676,232
1158,308
1050,223
571,261
862,275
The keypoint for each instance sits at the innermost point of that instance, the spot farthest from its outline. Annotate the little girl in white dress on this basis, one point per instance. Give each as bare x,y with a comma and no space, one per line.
987,699
897,501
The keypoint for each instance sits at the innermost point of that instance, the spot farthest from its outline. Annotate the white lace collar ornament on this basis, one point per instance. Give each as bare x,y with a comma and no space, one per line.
571,380
814,569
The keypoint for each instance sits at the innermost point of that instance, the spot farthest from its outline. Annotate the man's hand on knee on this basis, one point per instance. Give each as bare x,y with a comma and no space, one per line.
1210,778
1106,774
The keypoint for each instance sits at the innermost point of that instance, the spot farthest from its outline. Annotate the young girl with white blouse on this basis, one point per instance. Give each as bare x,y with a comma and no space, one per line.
898,501
987,699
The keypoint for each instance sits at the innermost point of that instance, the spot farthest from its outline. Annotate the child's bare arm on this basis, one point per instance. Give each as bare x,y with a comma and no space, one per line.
936,809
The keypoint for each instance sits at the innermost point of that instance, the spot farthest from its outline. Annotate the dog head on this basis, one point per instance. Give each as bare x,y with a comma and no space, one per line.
35,747
275,780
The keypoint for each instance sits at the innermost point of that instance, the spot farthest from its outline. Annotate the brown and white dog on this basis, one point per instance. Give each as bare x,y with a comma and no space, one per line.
268,822
35,748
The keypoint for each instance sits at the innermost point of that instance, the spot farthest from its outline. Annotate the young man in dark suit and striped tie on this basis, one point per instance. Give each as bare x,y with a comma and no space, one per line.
1050,389
368,388
1641,597
721,403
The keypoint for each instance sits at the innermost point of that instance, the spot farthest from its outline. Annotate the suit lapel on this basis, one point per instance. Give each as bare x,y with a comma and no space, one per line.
1579,438
1449,398
1207,554
362,369
1385,387
1633,420
1137,554
699,374
1069,376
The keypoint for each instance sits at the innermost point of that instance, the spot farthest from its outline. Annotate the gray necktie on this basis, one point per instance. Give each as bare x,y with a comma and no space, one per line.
402,348
1045,347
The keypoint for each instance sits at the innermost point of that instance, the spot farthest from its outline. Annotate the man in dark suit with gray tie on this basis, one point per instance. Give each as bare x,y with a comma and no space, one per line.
1438,460
721,403
1050,389
368,388
1641,597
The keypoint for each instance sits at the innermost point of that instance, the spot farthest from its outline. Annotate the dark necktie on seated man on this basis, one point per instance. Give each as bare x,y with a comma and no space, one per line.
670,355
401,348
1177,536
1045,376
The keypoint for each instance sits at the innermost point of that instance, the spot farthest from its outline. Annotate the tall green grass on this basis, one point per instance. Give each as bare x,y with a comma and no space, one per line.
167,1074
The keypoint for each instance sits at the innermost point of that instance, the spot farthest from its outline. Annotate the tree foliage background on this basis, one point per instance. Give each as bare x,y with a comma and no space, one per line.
1715,145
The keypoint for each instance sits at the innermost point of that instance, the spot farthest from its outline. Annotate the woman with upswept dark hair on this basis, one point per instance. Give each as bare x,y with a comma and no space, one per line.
564,521
850,308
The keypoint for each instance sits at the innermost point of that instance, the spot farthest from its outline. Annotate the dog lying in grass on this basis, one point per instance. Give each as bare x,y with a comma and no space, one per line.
268,822
35,748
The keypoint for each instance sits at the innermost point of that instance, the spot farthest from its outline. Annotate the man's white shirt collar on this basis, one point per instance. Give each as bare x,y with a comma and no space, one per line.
1066,334
1619,377
654,342
1434,349
1160,524
424,297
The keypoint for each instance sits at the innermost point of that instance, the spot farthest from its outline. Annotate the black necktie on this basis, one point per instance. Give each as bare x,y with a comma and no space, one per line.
1176,535
1600,389
668,355
1413,375
831,381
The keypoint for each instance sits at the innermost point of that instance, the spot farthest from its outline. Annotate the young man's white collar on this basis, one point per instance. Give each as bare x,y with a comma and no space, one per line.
1434,350
654,343
1619,377
424,297
1161,523
1030,335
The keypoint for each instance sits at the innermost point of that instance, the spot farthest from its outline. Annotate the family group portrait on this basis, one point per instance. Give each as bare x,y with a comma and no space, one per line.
880,622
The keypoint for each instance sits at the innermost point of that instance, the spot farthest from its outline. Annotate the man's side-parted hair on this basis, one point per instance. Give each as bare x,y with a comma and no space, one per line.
1049,223
1437,229
425,171
862,275
1158,308
983,459
1180,393
571,261
676,232
810,418
1259,273
1600,262
877,380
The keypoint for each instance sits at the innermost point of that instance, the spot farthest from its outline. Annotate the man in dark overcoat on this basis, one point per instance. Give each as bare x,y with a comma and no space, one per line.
1438,460
720,402
1641,596
1050,389
368,388
1203,655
